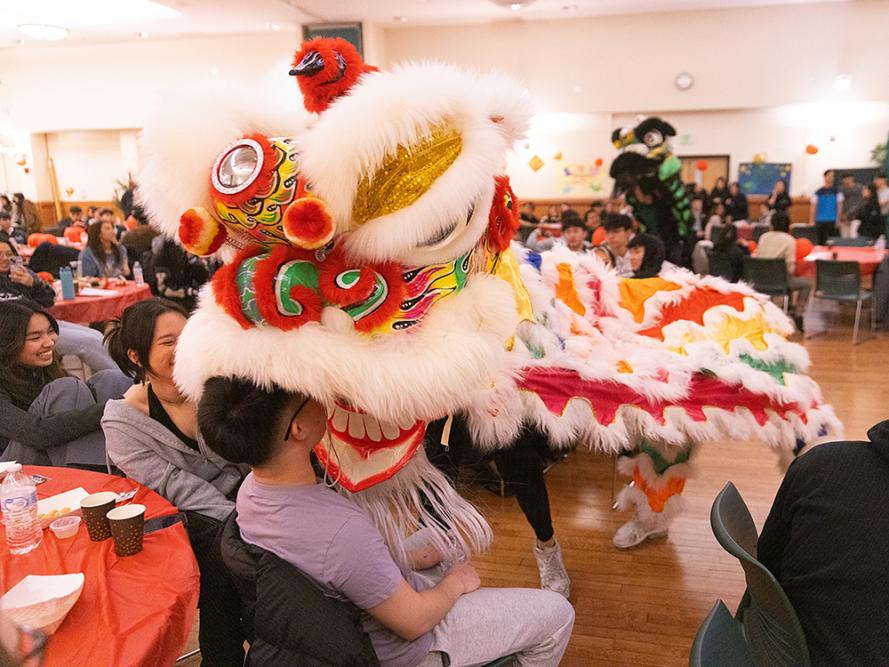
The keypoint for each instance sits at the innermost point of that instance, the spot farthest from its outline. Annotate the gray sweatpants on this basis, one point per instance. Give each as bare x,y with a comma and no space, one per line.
66,394
85,343
531,624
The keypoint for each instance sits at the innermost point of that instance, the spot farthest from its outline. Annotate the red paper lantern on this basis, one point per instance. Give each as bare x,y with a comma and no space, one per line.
27,170
811,149
702,165
599,162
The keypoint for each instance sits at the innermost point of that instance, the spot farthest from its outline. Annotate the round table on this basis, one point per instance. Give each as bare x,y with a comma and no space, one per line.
86,309
868,258
133,611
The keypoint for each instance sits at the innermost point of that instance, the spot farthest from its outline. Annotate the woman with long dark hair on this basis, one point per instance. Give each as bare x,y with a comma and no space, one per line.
779,200
152,437
103,256
734,251
46,416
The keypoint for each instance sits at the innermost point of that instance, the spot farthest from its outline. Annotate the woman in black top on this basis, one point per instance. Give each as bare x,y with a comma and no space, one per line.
736,205
17,282
779,200
720,193
46,416
647,255
873,223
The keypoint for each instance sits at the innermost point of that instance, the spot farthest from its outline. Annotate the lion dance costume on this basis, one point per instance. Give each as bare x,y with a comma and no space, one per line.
368,265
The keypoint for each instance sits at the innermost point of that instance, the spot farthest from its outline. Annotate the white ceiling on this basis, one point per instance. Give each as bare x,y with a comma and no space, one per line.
116,20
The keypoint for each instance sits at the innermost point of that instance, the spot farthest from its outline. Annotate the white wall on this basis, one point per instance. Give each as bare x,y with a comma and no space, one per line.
90,162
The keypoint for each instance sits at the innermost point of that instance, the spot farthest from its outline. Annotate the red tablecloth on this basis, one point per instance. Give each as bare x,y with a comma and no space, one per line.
868,258
86,309
133,612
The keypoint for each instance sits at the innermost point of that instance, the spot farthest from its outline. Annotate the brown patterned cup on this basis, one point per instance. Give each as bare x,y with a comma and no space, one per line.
94,509
127,528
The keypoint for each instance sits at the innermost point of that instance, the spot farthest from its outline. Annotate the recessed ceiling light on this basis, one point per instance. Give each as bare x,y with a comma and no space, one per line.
516,6
569,8
213,71
50,33
577,89
400,19
274,27
143,34
20,42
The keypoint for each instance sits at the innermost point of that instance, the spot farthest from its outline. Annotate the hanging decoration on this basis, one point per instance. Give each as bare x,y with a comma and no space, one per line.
760,158
535,163
558,155
69,191
599,162
702,165
811,149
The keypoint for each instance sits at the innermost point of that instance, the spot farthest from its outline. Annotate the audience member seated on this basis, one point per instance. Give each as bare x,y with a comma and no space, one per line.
574,233
826,541
5,204
173,273
720,193
103,256
46,417
765,215
734,249
603,254
871,222
778,199
24,214
718,219
698,220
138,240
647,255
527,221
736,205
151,436
779,244
9,233
424,618
592,220
618,232
543,237
699,192
75,218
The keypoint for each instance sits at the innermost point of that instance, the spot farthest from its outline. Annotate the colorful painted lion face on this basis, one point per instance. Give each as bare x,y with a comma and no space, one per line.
357,248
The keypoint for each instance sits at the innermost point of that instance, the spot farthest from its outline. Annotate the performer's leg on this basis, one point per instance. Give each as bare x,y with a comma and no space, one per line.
659,473
521,467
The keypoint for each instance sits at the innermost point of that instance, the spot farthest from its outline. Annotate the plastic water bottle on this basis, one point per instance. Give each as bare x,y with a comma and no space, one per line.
18,499
137,274
67,281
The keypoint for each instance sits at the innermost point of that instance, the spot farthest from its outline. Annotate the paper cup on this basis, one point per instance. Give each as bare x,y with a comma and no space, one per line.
94,508
127,526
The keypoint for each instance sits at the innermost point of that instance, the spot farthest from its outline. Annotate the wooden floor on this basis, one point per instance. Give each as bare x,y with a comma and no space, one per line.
642,607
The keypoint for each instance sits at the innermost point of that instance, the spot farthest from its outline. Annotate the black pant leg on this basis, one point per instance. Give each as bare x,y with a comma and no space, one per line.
521,467
220,635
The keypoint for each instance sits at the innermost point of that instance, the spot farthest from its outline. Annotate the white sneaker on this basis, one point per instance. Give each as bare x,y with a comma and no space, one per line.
634,532
553,575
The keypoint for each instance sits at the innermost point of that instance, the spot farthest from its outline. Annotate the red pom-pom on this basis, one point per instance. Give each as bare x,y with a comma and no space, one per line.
308,224
503,220
200,233
320,89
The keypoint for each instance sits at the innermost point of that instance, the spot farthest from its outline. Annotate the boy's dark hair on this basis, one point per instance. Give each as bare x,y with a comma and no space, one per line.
571,218
106,211
239,420
780,221
615,221
134,330
845,175
4,215
74,210
827,171
880,174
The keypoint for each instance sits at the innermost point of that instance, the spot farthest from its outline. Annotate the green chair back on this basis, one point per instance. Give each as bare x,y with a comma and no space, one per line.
806,232
771,627
719,264
720,641
768,276
837,280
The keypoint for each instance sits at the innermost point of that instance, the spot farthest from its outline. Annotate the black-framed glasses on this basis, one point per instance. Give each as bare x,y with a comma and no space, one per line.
295,415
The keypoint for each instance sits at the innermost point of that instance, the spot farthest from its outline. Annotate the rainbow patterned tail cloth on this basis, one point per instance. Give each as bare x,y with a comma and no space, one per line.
651,368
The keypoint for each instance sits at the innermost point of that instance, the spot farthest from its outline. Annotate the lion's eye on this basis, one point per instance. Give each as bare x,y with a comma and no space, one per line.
238,167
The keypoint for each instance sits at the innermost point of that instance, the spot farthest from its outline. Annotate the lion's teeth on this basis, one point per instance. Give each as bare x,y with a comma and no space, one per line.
340,419
356,426
390,431
372,426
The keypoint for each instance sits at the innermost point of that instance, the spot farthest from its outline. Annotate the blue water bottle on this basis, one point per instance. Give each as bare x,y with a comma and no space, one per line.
67,283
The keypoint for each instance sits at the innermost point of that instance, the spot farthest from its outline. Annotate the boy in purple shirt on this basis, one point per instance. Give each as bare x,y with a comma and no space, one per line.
413,618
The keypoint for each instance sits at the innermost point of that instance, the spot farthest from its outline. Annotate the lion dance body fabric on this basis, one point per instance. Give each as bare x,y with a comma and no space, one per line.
367,265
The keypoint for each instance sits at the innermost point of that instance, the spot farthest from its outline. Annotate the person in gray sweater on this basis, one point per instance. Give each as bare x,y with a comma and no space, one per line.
151,436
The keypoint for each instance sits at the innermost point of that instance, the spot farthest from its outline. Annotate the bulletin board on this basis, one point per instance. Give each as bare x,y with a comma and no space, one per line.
760,179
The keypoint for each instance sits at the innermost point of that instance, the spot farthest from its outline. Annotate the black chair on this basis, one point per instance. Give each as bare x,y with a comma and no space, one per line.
717,233
720,264
765,630
768,276
841,282
805,232
758,231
